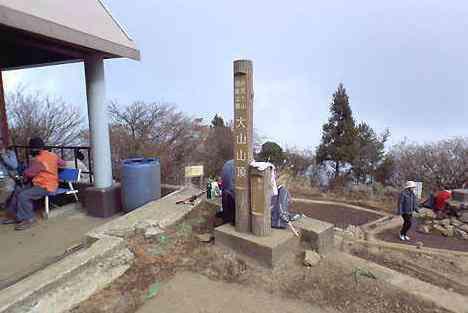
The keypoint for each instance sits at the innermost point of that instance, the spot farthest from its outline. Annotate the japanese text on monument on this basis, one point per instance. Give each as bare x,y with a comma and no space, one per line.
240,125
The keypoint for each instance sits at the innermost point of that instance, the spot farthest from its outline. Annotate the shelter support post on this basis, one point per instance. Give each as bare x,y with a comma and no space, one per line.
98,121
5,132
104,198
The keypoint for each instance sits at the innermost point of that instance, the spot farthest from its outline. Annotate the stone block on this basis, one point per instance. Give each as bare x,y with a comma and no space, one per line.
153,232
311,258
205,237
461,234
464,217
460,195
445,222
439,229
318,234
464,227
425,229
267,251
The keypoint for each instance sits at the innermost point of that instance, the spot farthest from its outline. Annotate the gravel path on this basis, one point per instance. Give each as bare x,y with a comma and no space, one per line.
429,240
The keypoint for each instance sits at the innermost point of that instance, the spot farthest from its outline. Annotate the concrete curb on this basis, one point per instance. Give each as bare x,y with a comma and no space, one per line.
448,300
341,203
401,247
160,213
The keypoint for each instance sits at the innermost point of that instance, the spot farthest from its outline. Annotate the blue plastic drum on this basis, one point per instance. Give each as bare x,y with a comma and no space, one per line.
141,182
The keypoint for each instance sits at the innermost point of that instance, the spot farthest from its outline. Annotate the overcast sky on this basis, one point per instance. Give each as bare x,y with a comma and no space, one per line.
404,63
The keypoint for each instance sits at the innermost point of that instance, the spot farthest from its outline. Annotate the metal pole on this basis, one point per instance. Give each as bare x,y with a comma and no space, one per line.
98,121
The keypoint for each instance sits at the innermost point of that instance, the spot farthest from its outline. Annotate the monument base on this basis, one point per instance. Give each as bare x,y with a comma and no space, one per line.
267,251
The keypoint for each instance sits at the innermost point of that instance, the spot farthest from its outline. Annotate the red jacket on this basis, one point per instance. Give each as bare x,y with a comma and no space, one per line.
441,198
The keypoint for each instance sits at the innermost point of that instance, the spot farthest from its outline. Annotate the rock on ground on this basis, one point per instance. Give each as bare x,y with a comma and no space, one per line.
153,232
205,237
311,258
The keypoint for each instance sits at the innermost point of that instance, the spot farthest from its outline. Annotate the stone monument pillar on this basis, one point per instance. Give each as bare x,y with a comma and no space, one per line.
243,144
260,201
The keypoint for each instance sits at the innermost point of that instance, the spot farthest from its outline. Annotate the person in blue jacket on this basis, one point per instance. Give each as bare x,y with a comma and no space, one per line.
407,205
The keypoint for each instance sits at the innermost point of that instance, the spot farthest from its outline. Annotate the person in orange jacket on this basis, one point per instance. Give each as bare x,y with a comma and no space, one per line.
42,178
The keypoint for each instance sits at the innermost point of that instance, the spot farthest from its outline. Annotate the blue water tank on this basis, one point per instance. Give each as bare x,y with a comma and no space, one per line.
141,182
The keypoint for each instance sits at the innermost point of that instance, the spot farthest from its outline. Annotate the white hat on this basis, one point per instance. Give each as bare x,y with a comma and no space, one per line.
410,184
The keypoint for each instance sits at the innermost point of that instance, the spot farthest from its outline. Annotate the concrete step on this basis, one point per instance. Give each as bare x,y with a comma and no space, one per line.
64,284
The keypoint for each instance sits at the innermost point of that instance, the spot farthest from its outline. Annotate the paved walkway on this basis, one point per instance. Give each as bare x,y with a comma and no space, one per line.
26,251
194,293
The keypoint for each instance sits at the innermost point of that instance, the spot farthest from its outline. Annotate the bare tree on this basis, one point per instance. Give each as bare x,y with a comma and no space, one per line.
51,118
438,165
298,161
217,147
153,129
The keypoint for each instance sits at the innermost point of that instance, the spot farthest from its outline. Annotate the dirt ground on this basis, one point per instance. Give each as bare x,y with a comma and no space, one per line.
446,271
330,285
338,215
198,293
431,240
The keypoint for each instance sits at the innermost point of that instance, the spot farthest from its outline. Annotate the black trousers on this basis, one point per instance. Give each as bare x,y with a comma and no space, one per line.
406,223
229,208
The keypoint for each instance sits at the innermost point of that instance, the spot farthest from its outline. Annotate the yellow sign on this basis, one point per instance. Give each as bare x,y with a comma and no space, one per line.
194,171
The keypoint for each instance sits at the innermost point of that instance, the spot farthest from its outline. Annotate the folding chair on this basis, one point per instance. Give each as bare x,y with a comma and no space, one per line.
68,176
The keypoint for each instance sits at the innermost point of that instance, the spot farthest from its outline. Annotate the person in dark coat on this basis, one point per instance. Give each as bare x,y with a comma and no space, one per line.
407,205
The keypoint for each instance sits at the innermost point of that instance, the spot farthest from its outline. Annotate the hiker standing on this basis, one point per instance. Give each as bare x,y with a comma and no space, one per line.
407,204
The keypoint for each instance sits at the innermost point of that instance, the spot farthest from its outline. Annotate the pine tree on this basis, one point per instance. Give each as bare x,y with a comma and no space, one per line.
339,133
217,121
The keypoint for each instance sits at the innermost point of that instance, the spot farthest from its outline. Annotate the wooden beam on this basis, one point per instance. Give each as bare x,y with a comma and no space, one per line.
4,130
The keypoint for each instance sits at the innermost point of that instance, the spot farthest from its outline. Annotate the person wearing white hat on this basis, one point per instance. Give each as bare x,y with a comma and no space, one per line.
407,204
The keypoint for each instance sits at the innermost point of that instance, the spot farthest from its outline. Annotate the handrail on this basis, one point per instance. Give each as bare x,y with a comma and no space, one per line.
62,149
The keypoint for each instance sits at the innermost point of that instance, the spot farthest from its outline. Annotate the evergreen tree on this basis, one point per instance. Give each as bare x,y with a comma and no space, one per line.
217,121
370,151
272,152
339,133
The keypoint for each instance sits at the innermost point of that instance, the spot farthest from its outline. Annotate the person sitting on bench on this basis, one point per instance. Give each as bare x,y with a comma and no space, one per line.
42,178
8,173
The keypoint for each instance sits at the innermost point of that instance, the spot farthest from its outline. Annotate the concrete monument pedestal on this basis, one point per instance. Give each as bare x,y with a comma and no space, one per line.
267,251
